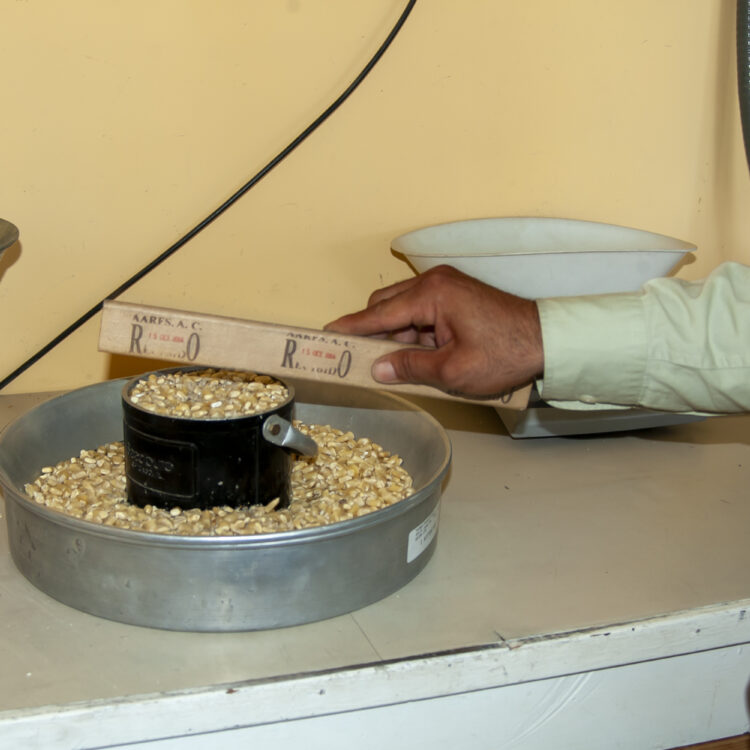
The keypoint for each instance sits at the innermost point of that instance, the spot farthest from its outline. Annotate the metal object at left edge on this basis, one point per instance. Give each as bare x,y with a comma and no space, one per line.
8,234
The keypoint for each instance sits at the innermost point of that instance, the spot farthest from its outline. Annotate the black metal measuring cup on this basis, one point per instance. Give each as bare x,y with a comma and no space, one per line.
203,463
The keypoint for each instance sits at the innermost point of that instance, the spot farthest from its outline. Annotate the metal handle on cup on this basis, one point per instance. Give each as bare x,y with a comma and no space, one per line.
280,432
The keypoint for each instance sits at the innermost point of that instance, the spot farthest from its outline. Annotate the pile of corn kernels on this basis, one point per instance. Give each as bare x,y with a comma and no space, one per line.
208,393
349,477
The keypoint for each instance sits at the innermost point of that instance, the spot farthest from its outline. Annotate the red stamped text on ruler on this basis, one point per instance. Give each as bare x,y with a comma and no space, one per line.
317,354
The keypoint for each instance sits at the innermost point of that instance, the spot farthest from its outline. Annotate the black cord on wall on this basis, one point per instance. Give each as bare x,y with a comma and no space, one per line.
224,206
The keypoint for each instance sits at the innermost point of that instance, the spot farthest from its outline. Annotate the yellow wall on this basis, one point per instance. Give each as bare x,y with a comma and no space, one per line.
123,124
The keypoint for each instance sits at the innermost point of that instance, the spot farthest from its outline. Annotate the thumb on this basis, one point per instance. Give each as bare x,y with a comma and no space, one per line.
383,371
409,366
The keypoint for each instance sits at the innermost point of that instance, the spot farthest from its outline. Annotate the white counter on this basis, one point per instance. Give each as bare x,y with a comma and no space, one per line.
585,592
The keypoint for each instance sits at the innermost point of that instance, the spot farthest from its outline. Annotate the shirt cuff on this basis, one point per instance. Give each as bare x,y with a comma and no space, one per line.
595,350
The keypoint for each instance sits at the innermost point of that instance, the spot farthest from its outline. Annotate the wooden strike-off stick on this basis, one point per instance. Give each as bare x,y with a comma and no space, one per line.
193,338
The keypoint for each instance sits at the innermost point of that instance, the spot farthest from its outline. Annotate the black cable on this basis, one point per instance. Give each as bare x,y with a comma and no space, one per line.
224,206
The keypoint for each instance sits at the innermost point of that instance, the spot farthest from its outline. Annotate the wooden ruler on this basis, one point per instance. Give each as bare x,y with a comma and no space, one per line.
193,338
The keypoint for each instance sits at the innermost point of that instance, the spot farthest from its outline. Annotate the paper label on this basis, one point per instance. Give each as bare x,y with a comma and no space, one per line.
421,536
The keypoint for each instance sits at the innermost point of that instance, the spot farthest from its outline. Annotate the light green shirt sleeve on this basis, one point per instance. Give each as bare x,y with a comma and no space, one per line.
675,346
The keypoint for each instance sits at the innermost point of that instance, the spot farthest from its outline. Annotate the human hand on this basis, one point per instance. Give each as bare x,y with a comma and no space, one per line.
481,341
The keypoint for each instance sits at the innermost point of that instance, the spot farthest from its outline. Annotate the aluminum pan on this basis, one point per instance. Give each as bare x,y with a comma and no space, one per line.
222,583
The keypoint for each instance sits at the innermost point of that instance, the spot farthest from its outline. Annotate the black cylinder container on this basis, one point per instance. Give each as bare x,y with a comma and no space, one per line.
203,463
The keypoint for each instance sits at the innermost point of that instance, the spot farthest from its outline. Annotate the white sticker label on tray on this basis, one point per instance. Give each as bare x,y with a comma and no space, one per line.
421,536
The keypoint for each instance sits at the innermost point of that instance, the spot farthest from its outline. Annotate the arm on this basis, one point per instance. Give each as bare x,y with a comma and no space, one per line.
676,346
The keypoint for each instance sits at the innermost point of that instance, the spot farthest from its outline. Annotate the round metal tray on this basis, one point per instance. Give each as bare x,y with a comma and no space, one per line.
222,583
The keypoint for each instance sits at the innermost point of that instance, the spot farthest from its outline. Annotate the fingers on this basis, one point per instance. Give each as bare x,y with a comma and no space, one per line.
391,291
395,310
410,335
399,308
362,323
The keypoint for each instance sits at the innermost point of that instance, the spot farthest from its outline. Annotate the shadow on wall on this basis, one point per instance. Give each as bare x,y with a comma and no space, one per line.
10,248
